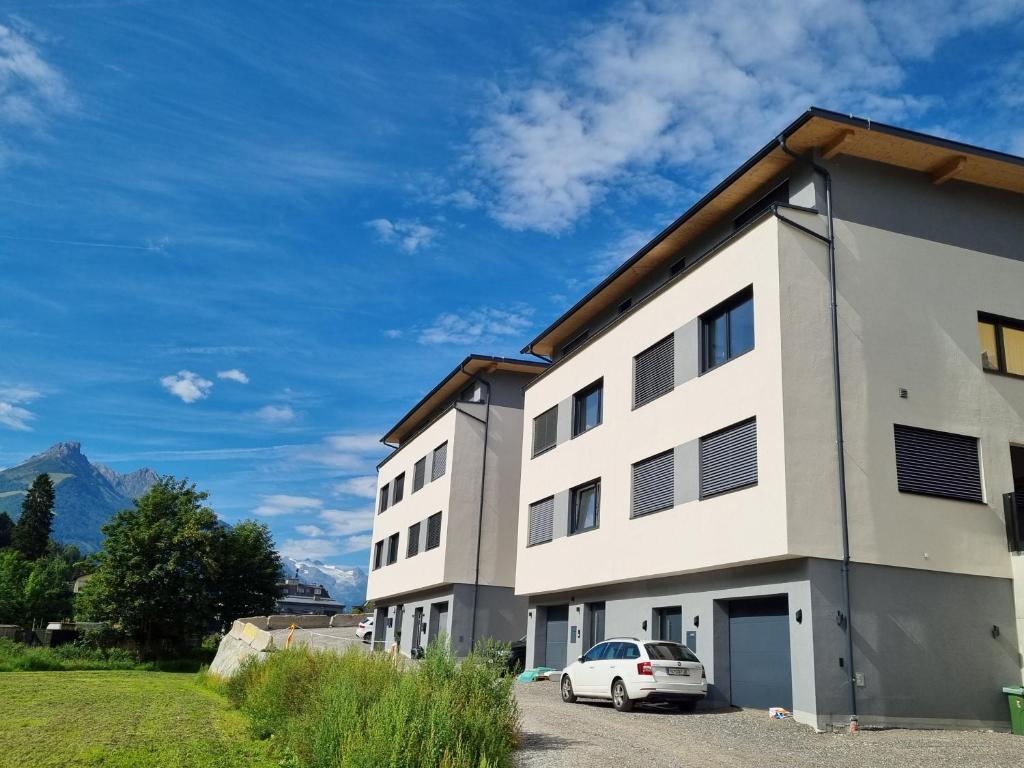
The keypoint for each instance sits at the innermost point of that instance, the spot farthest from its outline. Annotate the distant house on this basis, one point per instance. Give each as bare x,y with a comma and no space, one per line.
299,598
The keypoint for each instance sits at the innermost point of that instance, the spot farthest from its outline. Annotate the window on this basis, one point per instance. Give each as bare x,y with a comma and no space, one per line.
419,472
474,393
654,372
597,653
545,429
378,554
668,623
1002,344
586,408
728,459
383,499
434,531
575,343
937,463
392,548
778,195
727,331
585,507
412,546
440,462
398,488
654,484
541,519
669,652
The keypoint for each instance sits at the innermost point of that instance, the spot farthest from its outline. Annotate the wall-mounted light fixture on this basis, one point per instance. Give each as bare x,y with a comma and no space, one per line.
799,616
529,614
696,621
577,609
643,625
840,619
995,631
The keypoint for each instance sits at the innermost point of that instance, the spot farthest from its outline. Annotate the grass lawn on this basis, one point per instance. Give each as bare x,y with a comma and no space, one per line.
121,720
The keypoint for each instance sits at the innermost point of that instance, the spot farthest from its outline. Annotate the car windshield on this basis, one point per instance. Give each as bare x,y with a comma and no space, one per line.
669,652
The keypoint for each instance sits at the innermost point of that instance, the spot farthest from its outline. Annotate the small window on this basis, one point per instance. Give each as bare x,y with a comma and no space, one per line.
434,531
384,496
378,554
440,462
654,484
937,463
728,459
654,372
778,195
474,393
575,343
727,331
398,488
585,507
545,431
668,624
392,548
419,473
412,546
540,522
1002,344
587,407
597,653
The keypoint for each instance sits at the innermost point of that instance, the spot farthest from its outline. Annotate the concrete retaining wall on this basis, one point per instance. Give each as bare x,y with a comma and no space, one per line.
310,621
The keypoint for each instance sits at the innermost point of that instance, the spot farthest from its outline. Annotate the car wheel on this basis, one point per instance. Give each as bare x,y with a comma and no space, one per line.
367,637
686,706
620,699
568,696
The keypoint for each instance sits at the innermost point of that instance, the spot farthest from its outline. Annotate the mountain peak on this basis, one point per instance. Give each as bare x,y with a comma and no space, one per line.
60,450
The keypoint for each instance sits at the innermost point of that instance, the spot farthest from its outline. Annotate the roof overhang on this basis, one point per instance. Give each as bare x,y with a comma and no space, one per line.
451,385
831,134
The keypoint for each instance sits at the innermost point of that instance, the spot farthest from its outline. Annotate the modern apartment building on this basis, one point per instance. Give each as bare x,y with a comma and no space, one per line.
821,363
442,560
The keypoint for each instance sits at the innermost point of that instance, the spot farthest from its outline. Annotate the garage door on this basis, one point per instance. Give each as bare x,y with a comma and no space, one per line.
557,636
759,661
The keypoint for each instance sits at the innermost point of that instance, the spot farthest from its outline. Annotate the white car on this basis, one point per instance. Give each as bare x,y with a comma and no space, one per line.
627,671
364,631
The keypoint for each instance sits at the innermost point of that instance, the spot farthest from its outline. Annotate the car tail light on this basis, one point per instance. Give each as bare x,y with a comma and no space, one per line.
644,668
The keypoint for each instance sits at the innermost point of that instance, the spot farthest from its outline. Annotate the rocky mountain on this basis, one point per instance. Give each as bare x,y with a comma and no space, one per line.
86,494
345,583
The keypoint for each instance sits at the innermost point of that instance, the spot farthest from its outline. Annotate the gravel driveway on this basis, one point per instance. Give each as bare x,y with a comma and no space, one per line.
589,734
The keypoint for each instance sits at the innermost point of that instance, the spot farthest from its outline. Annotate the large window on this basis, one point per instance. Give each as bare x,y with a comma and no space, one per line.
419,473
384,498
728,459
654,372
541,521
585,507
586,408
545,428
1002,344
412,546
727,331
434,531
937,463
440,462
392,548
378,554
398,488
654,484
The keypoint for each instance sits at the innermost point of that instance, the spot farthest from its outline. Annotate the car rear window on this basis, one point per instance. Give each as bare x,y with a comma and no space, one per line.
669,652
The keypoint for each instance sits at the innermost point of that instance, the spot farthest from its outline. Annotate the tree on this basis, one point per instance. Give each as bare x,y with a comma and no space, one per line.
6,530
32,531
250,572
47,591
14,573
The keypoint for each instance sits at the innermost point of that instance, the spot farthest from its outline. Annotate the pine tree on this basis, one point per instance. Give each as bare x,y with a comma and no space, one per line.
32,531
6,530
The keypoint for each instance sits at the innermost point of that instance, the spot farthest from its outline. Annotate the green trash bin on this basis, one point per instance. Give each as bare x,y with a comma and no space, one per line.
1015,696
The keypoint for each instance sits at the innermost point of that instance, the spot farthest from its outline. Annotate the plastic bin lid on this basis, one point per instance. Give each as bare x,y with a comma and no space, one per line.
1014,691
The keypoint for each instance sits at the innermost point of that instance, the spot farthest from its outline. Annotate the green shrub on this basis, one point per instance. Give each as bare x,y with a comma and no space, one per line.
353,710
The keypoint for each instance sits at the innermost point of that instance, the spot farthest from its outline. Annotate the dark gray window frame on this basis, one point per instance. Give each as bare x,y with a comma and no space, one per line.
393,542
419,474
574,498
398,488
1000,323
579,399
554,441
725,308
378,554
385,498
440,520
412,546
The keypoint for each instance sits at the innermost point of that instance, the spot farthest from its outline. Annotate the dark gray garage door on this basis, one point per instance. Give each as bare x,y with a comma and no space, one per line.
556,637
759,660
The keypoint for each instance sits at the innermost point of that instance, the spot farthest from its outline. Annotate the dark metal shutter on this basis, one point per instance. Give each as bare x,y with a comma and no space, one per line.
383,499
434,531
545,430
654,372
398,488
728,459
440,462
413,545
937,463
654,483
419,472
542,514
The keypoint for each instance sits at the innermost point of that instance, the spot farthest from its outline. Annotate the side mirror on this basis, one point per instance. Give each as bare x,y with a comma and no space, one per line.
579,658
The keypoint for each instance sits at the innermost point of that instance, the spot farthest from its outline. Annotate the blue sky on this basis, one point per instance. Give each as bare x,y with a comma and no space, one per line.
239,239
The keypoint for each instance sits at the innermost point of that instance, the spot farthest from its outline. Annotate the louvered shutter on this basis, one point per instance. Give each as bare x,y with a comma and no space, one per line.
654,483
434,531
542,515
728,459
654,372
937,463
412,546
545,430
440,461
419,473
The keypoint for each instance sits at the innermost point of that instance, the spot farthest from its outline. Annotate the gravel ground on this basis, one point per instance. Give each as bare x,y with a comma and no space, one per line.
587,734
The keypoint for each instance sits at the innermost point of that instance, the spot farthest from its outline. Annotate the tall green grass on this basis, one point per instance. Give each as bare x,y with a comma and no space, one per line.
17,657
353,710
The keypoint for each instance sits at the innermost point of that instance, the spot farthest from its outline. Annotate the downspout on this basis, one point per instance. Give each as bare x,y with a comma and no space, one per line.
838,407
480,512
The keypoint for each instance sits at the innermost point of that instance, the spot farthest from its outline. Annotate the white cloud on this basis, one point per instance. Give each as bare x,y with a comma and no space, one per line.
314,548
187,385
348,453
665,88
364,442
341,522
19,394
364,487
309,530
393,333
15,417
284,504
485,325
356,543
276,414
233,375
409,235
30,89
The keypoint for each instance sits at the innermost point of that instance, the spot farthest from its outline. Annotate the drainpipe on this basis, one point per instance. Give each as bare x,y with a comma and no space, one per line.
838,407
480,512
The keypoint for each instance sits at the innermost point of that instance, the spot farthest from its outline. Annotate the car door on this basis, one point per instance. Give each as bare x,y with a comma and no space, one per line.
589,670
606,669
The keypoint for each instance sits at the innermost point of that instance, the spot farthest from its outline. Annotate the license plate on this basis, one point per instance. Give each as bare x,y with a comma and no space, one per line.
679,671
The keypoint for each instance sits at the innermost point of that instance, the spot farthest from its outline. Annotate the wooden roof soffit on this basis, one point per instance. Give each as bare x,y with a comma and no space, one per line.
948,169
836,144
